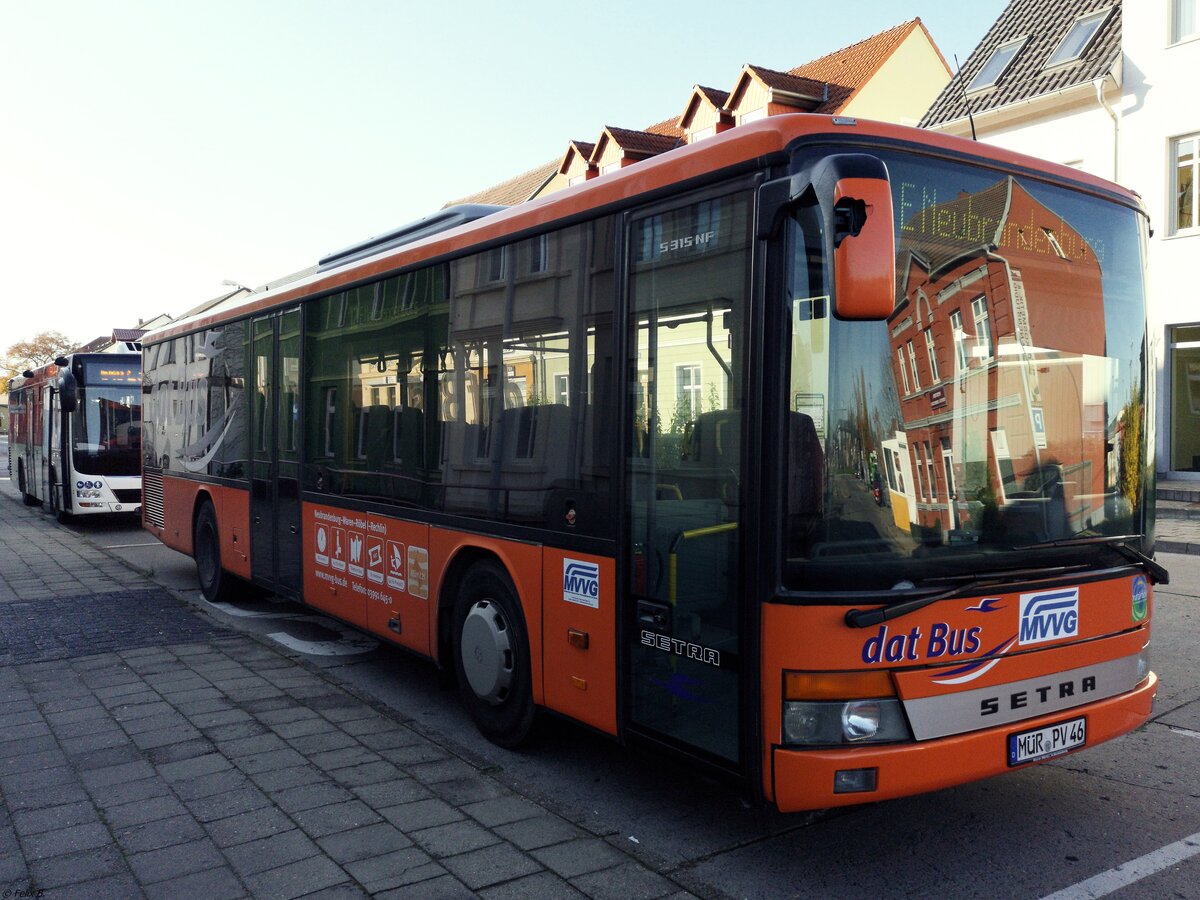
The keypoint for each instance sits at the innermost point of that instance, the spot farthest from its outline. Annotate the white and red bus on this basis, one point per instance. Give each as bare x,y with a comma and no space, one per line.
619,453
74,434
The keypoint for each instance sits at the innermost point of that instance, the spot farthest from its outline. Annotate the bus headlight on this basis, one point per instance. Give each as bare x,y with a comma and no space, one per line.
824,709
1143,664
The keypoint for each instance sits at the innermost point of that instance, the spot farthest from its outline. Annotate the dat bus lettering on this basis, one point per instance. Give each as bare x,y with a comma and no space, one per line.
943,641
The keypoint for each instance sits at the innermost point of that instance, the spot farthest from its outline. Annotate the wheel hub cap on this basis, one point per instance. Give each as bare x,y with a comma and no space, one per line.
487,656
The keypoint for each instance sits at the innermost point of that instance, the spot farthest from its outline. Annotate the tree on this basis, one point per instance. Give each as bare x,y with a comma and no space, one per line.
37,351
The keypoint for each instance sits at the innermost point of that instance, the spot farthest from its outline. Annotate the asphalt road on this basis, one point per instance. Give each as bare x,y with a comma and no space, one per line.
1066,825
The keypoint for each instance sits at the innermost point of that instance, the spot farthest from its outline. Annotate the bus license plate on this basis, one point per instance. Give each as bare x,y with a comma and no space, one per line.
1042,743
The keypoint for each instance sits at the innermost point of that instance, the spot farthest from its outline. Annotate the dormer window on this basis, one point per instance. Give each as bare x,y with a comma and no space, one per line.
1078,39
995,67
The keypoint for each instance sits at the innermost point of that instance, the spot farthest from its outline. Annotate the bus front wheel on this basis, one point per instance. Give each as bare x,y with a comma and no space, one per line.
206,546
491,655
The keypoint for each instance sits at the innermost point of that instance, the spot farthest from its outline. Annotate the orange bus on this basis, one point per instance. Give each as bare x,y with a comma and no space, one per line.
817,451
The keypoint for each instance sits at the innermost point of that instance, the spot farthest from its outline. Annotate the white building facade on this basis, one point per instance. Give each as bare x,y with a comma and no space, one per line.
1134,118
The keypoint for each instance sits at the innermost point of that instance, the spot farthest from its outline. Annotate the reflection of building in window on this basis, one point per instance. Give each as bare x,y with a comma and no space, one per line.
912,361
1054,242
983,331
960,340
1185,185
931,352
903,369
329,405
562,389
687,389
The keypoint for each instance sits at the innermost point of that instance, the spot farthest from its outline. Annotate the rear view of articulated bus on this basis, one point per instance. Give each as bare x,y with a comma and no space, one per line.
966,513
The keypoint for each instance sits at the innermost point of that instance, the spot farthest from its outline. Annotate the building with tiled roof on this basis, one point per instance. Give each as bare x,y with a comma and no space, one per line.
886,76
1014,72
892,76
1076,82
523,187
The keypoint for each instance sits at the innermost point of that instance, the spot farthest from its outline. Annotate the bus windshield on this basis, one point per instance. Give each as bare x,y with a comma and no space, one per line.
997,419
106,430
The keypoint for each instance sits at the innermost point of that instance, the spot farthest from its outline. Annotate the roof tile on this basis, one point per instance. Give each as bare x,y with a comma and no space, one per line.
1046,23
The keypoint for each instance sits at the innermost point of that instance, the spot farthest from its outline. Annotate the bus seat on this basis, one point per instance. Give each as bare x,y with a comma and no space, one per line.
806,479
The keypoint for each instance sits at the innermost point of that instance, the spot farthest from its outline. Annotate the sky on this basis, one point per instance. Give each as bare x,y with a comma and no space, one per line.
149,151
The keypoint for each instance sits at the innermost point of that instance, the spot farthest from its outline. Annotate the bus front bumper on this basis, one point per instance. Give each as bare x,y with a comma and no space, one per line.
804,779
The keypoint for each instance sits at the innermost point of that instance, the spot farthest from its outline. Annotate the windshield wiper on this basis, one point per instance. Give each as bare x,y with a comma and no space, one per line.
1118,542
865,618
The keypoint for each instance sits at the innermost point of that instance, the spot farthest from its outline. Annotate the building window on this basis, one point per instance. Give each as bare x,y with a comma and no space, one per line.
997,65
1183,20
912,361
1078,38
701,133
1052,239
753,115
983,333
1184,183
577,179
960,339
610,167
931,352
930,468
903,369
496,265
562,393
687,390
329,404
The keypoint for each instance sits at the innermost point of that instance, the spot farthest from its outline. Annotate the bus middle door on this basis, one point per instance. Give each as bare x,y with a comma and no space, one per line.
275,456
689,287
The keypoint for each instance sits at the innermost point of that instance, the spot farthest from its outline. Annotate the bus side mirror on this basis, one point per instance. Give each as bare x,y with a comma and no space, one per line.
855,195
68,395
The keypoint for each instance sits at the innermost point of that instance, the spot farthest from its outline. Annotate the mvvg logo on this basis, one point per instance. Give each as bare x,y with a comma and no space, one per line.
1049,616
581,582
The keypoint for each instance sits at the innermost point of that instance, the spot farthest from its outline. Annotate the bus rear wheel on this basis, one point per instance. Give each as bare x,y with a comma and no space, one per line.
491,655
27,498
215,582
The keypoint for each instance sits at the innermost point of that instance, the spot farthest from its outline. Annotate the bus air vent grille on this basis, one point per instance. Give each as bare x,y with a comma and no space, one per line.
152,498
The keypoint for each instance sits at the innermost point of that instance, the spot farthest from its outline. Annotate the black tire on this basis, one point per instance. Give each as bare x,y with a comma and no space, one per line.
27,498
61,515
491,655
215,582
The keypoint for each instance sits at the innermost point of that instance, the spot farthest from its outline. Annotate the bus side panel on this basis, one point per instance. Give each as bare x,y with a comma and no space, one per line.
524,565
232,506
369,570
179,499
579,635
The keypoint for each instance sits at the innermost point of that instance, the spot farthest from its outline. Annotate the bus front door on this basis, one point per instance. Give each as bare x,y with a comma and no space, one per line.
689,288
275,460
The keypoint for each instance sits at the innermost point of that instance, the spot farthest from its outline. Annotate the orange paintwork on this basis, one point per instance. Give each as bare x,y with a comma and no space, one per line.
369,570
864,267
750,142
232,506
580,683
798,780
911,646
524,565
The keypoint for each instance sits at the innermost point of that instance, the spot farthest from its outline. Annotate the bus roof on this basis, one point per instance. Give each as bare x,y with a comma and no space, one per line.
733,148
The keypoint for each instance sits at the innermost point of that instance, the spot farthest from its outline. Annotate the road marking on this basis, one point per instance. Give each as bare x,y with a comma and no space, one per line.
1134,870
126,546
1186,732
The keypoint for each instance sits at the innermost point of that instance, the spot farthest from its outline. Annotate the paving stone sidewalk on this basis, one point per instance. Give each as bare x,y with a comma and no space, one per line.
147,750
